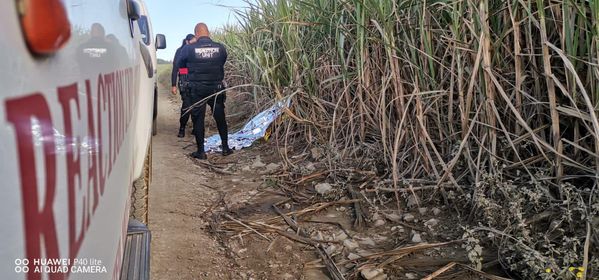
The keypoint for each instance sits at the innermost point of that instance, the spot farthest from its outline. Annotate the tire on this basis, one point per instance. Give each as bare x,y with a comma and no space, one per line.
141,189
154,128
155,113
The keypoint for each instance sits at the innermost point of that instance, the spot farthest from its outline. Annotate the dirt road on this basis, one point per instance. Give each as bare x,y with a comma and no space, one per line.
184,197
181,246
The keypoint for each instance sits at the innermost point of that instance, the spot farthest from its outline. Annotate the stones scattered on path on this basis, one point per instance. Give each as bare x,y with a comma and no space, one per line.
367,242
411,276
416,238
350,244
373,274
431,223
317,236
393,217
339,237
398,229
314,274
353,256
412,202
408,217
331,250
386,227
323,188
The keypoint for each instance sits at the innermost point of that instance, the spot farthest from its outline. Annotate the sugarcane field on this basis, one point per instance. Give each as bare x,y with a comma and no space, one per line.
327,140
424,140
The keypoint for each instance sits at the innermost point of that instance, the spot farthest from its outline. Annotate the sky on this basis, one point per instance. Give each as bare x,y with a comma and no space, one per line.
177,18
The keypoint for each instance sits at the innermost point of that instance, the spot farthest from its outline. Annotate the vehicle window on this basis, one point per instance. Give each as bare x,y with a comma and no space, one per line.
144,29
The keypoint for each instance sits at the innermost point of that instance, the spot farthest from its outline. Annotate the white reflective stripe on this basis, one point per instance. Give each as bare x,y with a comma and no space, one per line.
95,52
206,52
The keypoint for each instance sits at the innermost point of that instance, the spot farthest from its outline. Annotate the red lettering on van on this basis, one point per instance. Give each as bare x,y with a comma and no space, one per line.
102,106
93,144
38,222
65,96
88,163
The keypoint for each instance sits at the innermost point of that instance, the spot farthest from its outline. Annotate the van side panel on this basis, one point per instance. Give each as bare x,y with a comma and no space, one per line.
72,127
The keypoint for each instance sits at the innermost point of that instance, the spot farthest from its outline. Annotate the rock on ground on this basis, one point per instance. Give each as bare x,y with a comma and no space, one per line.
411,276
323,188
393,217
353,256
331,249
379,223
350,244
371,273
432,223
367,242
412,201
341,236
416,238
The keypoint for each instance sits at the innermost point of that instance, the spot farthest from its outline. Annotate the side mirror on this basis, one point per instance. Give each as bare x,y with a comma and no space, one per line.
133,10
160,42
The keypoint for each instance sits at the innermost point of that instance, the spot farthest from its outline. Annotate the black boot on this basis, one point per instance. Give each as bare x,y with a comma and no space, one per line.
181,132
226,151
199,155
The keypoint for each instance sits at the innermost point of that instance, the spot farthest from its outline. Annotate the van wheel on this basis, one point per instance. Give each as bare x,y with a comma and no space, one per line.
154,127
155,113
141,189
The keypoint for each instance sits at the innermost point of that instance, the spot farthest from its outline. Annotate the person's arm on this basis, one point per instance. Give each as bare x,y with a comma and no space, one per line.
175,71
181,62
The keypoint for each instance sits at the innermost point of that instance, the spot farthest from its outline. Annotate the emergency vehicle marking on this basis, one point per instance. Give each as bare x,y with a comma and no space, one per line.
95,52
30,115
206,52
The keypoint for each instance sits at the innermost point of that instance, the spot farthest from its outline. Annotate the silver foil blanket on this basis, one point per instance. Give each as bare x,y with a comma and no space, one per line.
253,130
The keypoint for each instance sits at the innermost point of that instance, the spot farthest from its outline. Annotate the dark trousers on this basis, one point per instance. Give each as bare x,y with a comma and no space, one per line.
217,105
185,115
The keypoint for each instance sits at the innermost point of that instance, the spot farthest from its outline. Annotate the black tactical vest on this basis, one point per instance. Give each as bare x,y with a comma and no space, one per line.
205,61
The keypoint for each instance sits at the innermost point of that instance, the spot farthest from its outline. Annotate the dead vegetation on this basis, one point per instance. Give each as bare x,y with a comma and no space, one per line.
487,107
354,234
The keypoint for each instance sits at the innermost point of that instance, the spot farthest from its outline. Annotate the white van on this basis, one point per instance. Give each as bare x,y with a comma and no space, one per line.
77,102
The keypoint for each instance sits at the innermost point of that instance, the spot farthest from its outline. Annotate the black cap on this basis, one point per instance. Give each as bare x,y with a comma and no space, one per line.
189,37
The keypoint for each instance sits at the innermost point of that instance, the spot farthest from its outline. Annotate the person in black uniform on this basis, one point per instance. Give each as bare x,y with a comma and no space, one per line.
184,88
205,61
96,55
